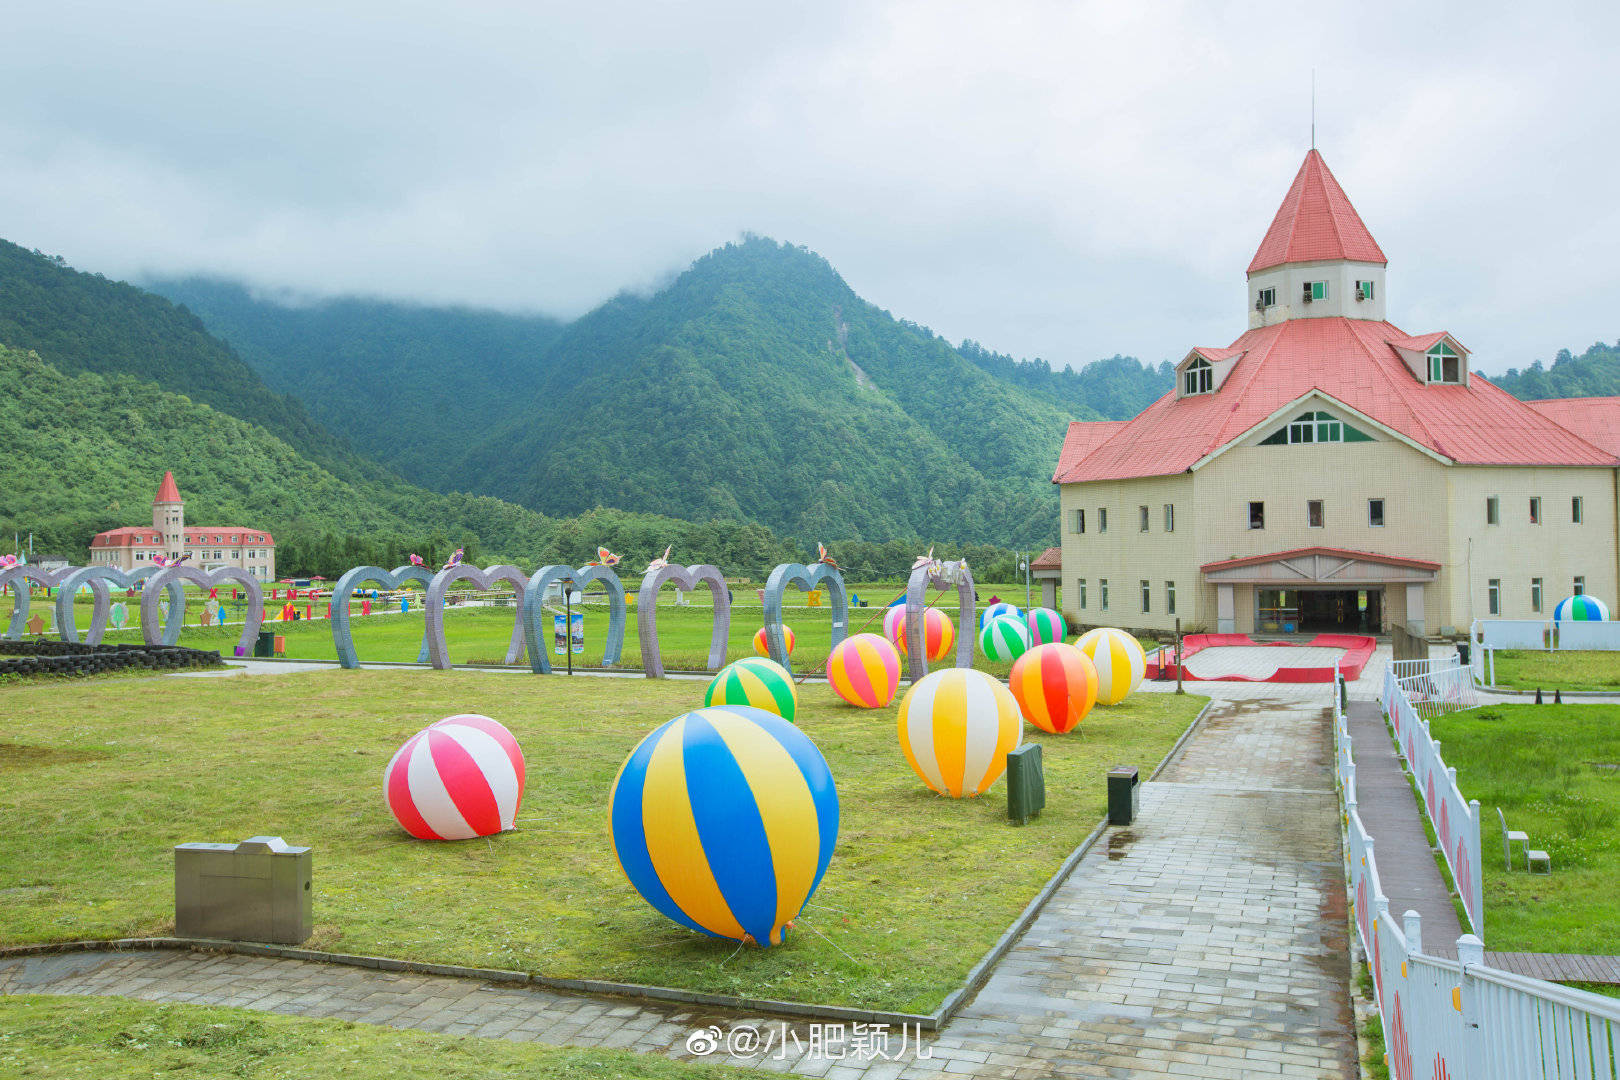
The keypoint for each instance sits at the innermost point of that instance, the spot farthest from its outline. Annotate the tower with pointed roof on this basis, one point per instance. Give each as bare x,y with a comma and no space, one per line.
132,547
169,515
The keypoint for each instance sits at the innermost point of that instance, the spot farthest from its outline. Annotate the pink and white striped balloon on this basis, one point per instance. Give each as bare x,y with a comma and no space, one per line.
894,622
460,778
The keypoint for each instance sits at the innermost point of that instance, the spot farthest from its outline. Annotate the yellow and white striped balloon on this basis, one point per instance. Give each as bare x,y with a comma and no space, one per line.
1119,660
956,729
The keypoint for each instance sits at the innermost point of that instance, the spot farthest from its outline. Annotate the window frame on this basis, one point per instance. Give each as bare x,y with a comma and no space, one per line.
1144,519
1316,508
1169,598
1577,510
1535,509
1077,522
1578,585
1257,515
1536,592
1366,288
1493,509
1102,519
1102,594
1169,517
1081,583
1319,290
1198,378
1382,513
1147,596
1267,298
1493,596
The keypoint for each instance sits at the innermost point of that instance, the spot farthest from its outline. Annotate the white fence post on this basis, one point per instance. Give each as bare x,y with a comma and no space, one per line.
1471,953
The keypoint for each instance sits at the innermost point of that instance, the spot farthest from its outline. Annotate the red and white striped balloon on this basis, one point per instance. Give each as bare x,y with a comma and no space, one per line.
460,778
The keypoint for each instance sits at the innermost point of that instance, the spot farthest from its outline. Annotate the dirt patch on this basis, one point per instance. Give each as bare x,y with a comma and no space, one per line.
1119,844
14,757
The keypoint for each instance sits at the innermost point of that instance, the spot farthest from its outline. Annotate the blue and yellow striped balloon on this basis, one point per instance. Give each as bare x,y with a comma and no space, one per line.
755,681
724,820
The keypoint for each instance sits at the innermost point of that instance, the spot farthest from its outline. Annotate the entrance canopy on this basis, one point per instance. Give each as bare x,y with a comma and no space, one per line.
1323,566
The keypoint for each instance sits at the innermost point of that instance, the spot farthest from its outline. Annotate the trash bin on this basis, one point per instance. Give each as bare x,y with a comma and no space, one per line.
1463,653
1026,783
258,890
266,645
1124,793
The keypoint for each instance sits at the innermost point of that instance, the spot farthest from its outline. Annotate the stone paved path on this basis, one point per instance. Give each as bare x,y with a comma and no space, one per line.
1207,940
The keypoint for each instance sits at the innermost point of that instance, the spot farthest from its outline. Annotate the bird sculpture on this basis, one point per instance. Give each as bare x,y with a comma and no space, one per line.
416,560
824,558
660,562
7,561
604,557
925,560
454,560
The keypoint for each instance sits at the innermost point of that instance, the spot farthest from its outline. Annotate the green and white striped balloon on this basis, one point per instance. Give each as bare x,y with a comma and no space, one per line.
1004,638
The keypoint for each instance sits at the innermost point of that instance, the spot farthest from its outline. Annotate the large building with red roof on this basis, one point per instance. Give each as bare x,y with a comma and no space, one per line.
207,546
1330,470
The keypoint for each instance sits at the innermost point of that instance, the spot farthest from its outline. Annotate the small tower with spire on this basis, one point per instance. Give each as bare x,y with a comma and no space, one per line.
169,515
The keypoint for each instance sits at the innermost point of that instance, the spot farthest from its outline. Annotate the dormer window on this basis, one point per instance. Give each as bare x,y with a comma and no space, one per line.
1445,366
1199,378
1364,290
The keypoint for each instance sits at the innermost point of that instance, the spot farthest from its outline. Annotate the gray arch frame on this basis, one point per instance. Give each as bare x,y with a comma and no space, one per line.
21,598
343,592
685,578
534,596
157,633
806,578
940,576
101,579
433,606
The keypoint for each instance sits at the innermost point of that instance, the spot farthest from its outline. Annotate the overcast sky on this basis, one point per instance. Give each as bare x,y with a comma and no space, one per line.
1067,180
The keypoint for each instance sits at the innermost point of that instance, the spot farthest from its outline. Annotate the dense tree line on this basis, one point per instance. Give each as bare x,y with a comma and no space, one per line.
1595,373
1114,389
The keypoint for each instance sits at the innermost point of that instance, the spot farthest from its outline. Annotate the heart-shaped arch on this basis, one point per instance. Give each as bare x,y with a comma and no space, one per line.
685,578
534,595
18,578
157,633
806,578
99,578
342,640
940,576
433,606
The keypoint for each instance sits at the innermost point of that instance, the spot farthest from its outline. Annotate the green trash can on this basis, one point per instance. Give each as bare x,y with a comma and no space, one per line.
1124,794
266,645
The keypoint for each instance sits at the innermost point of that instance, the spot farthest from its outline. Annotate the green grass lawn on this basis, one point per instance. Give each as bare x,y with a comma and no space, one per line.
99,780
1521,670
108,1037
1555,772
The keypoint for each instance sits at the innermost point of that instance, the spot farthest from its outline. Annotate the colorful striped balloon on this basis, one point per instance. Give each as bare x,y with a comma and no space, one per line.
724,820
1581,608
756,681
1004,638
1055,685
894,622
939,634
1046,626
996,611
460,778
864,670
956,729
1119,660
763,649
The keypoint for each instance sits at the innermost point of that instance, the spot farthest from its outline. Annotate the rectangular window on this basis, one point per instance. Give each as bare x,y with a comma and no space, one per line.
1535,511
1313,513
1535,595
1575,509
1144,516
1082,590
1102,519
1147,597
1316,290
1580,586
1493,510
1364,290
1079,523
1268,298
1493,595
1169,598
1169,517
1375,513
1102,594
1257,515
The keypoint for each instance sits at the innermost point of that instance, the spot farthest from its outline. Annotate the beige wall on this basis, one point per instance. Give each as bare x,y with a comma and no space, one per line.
262,565
1125,555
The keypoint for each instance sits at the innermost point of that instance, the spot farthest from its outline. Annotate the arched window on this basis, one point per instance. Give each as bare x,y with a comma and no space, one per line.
1314,427
1445,366
1199,378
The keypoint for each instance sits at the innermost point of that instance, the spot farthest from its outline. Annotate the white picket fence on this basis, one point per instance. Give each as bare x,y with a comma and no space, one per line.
1486,636
1460,1019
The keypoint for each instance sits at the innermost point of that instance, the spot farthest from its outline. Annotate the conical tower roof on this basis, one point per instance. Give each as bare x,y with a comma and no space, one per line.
168,491
1316,222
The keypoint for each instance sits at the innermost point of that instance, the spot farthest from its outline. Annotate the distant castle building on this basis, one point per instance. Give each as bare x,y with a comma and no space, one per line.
207,546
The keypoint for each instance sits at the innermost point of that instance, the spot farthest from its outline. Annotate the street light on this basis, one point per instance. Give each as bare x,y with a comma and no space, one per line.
1023,564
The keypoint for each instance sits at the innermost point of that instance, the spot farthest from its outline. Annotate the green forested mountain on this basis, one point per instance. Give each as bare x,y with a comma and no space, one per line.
1114,389
1595,373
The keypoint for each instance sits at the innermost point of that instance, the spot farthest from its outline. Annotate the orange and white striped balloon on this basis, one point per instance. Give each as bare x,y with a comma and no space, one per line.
939,634
1055,685
460,778
762,648
956,728
1119,660
864,670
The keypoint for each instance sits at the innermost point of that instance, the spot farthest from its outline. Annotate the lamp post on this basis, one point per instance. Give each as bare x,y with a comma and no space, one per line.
1023,564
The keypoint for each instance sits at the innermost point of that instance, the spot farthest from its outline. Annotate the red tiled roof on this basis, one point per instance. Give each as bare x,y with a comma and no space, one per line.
1595,419
1351,361
1215,356
1050,559
221,534
126,536
1315,221
140,536
168,491
1341,553
1420,343
1082,438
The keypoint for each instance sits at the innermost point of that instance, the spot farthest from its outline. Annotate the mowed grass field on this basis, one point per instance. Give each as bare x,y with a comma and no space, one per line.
1555,772
1577,670
99,780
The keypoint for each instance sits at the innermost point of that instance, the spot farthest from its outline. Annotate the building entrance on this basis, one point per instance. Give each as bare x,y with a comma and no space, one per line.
1319,611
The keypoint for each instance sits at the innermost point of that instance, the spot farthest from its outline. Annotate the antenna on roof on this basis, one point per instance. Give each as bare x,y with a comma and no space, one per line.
1313,108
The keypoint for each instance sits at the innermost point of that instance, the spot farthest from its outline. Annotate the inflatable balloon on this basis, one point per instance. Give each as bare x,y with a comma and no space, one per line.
1055,685
761,648
724,820
996,610
755,681
957,726
864,670
1581,608
1004,638
1045,626
894,622
460,778
1119,660
939,634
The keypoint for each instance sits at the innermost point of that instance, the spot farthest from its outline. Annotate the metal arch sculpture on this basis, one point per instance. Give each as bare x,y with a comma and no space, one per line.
534,595
157,633
18,578
342,640
940,576
433,606
806,578
685,578
100,578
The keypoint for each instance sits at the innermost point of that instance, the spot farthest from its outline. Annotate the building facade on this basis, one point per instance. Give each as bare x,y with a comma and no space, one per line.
207,546
1329,471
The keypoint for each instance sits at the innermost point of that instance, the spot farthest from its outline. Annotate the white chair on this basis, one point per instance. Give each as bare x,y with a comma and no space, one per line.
1509,838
